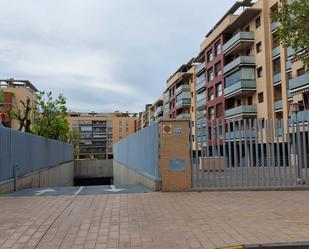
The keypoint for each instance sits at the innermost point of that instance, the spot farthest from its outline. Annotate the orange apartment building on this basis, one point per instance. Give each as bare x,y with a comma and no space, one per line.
99,131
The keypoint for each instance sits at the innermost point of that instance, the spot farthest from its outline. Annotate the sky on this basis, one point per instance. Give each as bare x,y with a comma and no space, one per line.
103,55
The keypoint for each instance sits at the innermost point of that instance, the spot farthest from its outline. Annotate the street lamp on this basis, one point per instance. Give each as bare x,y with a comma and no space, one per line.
295,110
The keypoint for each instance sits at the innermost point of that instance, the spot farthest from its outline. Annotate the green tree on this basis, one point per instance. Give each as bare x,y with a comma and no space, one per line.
74,139
51,117
293,31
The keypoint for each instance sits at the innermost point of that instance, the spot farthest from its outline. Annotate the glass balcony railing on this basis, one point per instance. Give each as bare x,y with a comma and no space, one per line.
278,105
200,85
240,86
276,51
200,67
201,103
182,88
298,82
241,60
183,115
277,78
302,115
274,25
239,134
183,102
290,51
288,65
241,110
236,39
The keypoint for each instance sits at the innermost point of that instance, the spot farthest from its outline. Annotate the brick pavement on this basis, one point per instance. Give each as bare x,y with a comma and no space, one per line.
153,220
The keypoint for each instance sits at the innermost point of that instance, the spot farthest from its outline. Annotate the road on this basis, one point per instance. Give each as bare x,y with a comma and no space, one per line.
81,190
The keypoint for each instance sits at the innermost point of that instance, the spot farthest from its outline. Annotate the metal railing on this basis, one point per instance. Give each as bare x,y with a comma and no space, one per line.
29,153
251,153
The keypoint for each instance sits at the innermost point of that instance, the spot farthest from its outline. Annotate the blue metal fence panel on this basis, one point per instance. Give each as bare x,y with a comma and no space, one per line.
29,152
140,151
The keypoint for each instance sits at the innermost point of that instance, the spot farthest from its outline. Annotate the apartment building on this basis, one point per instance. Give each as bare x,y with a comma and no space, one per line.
99,131
15,91
244,73
153,113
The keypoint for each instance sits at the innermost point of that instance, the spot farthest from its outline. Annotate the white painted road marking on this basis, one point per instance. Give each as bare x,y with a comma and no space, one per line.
114,189
79,190
40,192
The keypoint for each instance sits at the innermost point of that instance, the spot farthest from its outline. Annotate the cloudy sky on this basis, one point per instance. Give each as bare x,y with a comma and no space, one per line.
103,55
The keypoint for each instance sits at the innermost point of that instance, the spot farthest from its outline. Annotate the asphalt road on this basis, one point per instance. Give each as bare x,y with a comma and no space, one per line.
81,190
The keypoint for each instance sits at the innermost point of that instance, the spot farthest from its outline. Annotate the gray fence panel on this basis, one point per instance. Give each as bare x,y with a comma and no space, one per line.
140,151
29,152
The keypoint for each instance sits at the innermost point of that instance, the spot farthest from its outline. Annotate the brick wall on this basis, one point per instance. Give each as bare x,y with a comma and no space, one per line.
175,149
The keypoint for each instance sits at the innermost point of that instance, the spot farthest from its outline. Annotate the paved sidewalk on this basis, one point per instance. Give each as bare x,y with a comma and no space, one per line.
153,220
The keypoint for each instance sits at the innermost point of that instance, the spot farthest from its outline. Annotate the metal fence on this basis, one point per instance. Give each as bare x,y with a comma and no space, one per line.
27,153
140,151
251,153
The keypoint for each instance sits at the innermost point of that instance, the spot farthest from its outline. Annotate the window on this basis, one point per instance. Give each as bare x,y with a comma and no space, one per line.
238,102
192,123
247,29
218,70
218,48
210,74
127,129
211,113
219,89
258,47
210,93
259,72
120,129
261,97
219,110
250,100
209,56
258,22
300,71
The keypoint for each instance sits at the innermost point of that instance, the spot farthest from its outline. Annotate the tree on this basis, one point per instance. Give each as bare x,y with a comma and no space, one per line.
74,139
293,30
24,116
51,117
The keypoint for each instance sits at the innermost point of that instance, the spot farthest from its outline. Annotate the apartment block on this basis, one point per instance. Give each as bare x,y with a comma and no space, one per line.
15,91
153,113
244,73
99,131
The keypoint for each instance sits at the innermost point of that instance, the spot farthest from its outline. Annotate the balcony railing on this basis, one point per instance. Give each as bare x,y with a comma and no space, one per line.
241,60
278,105
288,65
201,103
240,86
277,78
236,39
183,102
302,115
241,110
159,109
276,51
200,85
290,51
183,115
274,25
182,88
200,67
299,82
239,134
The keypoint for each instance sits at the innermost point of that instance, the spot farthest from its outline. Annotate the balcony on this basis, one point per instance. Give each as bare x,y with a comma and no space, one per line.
277,78
288,66
243,110
201,103
183,116
235,135
274,26
290,51
278,105
200,67
240,61
183,103
200,85
276,52
237,40
302,115
159,109
182,88
200,114
241,87
299,82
